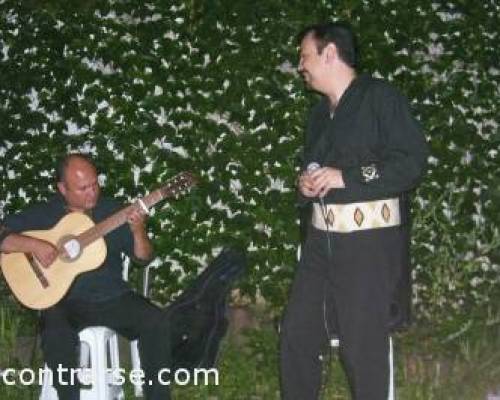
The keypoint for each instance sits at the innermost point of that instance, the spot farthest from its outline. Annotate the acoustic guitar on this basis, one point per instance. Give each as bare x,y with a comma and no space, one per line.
81,248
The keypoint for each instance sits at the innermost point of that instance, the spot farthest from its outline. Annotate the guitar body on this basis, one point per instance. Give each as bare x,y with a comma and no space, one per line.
38,287
84,249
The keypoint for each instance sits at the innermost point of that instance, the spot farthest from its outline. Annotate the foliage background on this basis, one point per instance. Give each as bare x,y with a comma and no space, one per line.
153,88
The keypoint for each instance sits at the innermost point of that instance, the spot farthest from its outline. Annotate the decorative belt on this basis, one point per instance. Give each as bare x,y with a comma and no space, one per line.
356,216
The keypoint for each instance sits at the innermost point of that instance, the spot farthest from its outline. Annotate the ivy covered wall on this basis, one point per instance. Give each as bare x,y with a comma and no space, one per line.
153,88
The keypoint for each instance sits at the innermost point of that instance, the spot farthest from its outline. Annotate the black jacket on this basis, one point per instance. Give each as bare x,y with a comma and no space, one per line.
372,138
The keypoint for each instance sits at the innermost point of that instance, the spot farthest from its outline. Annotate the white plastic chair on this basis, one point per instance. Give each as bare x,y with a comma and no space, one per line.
100,361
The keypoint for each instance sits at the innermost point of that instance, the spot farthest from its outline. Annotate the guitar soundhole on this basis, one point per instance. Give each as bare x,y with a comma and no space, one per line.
69,248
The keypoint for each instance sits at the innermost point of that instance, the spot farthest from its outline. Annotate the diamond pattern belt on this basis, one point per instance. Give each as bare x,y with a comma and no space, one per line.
353,217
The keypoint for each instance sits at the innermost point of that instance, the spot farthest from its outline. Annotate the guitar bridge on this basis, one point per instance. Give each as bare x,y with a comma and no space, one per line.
38,271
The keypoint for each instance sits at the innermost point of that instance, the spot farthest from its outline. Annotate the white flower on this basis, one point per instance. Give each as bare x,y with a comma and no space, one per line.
72,129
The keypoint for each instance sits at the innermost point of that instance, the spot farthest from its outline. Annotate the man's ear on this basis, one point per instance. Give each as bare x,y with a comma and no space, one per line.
61,187
331,52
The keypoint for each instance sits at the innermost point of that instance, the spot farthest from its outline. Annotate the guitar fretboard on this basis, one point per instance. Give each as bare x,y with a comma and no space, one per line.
119,218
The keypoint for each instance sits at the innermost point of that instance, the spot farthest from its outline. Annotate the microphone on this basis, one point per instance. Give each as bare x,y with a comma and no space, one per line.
313,166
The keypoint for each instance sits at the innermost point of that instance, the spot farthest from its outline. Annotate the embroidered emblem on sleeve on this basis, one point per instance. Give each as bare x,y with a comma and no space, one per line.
369,173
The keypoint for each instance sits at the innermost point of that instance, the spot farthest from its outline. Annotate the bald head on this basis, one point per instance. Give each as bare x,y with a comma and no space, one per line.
64,162
77,182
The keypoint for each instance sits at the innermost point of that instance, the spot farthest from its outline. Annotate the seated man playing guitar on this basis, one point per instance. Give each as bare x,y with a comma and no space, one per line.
98,296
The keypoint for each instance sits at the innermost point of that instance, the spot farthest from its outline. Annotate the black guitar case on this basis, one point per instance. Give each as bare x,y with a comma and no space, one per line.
199,315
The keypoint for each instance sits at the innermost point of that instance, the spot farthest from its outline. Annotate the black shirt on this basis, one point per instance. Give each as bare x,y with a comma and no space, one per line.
4,232
102,283
371,137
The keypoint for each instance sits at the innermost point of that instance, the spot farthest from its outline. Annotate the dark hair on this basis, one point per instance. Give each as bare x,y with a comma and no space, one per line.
338,33
63,163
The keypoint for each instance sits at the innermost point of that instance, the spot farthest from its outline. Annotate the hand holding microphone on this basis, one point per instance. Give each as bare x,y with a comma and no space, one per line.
305,182
317,181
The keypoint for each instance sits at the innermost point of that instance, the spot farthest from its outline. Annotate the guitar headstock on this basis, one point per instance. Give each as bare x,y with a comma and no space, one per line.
179,184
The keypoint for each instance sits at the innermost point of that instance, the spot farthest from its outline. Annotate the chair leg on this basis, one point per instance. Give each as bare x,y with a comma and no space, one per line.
136,365
104,360
48,392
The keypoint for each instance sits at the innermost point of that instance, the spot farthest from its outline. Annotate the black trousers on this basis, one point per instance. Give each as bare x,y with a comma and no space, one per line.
344,284
131,315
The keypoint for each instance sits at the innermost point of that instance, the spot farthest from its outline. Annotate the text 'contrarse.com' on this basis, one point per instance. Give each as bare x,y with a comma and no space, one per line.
118,376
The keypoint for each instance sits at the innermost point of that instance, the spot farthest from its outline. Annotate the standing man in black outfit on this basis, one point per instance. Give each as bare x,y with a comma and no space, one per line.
363,152
100,296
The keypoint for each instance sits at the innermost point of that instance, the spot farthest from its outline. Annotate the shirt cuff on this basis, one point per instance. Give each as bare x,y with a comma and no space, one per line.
141,261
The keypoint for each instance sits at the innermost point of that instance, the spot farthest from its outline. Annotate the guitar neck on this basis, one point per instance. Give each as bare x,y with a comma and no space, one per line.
118,219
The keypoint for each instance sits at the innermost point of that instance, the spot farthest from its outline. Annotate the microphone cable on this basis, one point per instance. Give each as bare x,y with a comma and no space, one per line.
313,166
